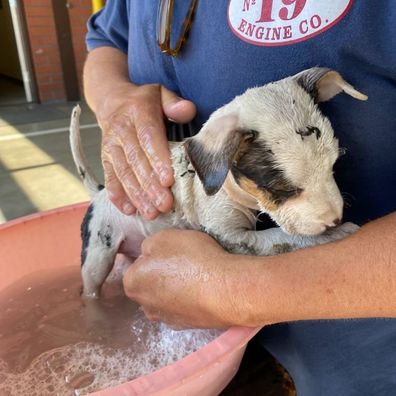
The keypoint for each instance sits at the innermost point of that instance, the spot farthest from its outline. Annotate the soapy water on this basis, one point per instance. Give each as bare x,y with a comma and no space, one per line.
52,342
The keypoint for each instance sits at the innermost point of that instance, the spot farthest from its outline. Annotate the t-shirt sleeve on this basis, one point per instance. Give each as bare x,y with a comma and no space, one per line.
109,27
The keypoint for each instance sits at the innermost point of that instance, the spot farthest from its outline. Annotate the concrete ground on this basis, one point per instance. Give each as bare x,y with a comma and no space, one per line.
36,167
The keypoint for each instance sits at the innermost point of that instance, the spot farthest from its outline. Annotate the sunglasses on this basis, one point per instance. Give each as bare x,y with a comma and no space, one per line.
164,27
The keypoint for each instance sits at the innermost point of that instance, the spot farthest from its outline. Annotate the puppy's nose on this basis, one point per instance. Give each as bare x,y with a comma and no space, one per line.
335,223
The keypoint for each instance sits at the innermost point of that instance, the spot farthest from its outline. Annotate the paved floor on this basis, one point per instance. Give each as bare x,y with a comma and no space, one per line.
36,168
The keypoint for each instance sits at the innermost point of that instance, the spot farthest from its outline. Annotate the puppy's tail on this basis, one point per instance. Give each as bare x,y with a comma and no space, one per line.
85,172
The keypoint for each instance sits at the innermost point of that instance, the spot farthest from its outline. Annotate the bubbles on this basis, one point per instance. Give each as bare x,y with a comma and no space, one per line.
85,367
63,346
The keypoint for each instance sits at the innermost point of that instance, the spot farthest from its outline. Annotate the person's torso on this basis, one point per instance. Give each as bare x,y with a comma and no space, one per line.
237,44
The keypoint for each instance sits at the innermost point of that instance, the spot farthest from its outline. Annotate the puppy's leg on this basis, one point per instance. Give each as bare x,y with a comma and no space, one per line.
96,268
274,241
100,247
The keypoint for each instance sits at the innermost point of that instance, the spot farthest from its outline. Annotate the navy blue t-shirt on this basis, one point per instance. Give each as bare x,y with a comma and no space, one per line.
237,44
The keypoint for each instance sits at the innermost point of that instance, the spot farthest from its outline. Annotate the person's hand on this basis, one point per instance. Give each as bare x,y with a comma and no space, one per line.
136,160
185,279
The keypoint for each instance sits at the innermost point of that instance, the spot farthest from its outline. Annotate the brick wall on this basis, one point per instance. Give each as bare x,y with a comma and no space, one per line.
45,48
79,12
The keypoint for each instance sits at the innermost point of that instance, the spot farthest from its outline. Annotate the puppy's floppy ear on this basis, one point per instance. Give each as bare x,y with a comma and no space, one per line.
323,84
212,151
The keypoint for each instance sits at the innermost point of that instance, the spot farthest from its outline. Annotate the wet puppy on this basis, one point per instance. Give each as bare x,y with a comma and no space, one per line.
269,150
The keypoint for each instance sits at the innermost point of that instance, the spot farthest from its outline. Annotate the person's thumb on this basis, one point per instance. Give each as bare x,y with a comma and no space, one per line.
176,108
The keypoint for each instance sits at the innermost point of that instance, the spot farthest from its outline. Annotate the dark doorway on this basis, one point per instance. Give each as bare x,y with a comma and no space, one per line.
11,84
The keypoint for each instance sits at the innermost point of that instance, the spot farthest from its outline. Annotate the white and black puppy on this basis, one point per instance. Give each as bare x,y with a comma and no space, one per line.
270,149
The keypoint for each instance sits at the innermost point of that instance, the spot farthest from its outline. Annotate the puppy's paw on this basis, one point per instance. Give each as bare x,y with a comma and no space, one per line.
339,232
332,235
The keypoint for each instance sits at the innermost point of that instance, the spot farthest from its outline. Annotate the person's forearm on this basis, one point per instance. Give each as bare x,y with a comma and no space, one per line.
352,278
105,69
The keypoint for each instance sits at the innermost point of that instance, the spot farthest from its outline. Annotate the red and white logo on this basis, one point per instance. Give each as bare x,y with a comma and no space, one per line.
282,22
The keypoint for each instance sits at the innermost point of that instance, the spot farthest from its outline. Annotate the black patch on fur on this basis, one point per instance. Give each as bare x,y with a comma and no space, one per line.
101,187
311,89
230,247
309,131
189,171
280,248
105,237
85,233
309,78
258,164
82,172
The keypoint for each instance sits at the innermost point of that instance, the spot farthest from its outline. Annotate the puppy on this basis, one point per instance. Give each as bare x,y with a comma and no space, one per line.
270,150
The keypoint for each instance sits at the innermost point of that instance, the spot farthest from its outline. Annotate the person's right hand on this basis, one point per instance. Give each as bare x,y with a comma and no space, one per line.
135,155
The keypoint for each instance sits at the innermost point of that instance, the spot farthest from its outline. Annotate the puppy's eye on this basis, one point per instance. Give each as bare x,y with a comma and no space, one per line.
287,193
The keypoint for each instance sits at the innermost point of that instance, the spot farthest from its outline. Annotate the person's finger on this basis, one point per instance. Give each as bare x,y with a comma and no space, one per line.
157,242
177,108
129,281
115,190
130,184
148,121
159,196
146,246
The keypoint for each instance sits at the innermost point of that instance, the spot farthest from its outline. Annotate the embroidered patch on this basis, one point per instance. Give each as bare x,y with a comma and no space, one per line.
283,22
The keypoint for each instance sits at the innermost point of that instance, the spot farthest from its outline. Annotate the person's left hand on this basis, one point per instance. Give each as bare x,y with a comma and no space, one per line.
185,279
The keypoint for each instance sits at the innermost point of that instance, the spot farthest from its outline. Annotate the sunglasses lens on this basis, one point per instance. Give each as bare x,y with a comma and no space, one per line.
172,43
162,20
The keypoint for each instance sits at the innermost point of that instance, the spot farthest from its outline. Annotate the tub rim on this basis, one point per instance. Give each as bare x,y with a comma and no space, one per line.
187,368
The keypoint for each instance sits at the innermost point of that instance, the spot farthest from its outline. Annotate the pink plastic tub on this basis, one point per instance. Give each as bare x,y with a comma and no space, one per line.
52,239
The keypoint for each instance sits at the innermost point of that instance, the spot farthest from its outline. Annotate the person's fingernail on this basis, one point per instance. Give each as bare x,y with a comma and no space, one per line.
148,209
157,195
127,208
160,198
173,105
158,201
164,175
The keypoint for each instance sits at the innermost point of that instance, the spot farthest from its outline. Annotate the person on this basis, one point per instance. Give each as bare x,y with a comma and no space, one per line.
329,310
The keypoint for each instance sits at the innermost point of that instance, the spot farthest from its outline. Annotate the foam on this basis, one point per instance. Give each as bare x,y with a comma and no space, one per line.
85,367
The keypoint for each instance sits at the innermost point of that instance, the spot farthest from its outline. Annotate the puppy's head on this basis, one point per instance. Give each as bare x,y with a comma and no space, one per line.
276,151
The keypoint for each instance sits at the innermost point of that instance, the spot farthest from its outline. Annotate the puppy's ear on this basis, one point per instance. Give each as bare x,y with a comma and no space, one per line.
212,151
323,84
